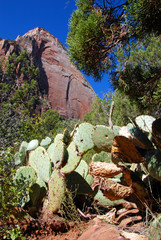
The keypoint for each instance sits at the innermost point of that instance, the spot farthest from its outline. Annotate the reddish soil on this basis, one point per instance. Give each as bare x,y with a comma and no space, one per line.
94,229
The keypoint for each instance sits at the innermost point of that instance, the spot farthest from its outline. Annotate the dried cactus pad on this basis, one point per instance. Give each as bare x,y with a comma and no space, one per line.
40,161
115,191
74,158
153,163
145,122
83,137
102,137
124,150
57,189
103,169
139,138
104,201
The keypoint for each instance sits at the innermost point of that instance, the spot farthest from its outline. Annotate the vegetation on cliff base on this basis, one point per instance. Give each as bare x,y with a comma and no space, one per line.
20,103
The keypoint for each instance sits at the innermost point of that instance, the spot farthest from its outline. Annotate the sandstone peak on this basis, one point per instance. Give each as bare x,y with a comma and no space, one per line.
67,89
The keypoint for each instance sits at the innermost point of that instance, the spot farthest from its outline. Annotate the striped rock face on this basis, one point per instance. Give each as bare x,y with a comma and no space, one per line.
66,88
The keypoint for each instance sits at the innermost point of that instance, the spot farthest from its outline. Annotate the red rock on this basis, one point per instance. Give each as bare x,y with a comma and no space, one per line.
101,231
67,89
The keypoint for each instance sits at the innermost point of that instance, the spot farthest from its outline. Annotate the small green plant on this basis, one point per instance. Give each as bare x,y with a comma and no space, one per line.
14,234
10,195
68,208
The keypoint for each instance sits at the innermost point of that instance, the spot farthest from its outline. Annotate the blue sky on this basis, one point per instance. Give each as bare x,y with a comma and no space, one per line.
19,16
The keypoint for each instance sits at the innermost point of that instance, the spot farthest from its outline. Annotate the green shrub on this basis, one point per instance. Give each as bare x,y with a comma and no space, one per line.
10,195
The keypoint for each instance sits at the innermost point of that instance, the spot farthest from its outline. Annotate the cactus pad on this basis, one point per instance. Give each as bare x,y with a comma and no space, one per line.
89,179
37,191
58,137
25,176
153,163
139,138
45,142
74,158
32,145
102,137
103,169
75,182
60,154
155,228
101,157
40,161
22,151
116,130
17,159
57,189
83,137
82,168
145,122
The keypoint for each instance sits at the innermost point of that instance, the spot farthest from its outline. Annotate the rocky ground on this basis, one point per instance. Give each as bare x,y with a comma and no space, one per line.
114,225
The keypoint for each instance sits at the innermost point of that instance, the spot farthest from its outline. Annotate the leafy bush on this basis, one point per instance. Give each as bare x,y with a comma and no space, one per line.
10,195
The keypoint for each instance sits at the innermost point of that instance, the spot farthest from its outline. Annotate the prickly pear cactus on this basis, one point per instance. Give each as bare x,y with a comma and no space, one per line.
20,156
76,183
56,167
82,137
22,151
145,122
45,142
102,137
101,157
60,154
155,229
25,177
124,150
139,138
33,144
156,132
153,163
40,161
89,179
37,192
74,158
57,187
82,168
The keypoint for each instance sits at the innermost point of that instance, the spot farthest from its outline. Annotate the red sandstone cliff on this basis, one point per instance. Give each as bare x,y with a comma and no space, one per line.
67,89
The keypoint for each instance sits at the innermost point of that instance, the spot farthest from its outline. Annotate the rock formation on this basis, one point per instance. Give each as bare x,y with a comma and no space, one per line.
67,89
